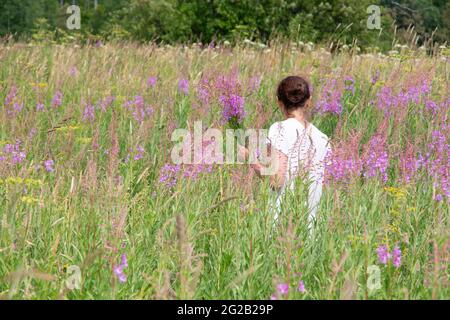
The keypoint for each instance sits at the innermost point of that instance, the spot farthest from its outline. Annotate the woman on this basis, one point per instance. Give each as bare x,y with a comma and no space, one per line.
296,146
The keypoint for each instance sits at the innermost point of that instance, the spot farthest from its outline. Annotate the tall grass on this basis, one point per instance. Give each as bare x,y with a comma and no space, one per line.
211,236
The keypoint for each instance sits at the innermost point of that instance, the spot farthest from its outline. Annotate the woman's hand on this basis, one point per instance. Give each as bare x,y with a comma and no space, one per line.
243,153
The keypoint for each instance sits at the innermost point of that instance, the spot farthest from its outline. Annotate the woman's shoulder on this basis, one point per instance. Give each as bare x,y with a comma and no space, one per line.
289,124
316,132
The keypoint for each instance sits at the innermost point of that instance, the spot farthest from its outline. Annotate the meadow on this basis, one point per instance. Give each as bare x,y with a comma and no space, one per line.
87,186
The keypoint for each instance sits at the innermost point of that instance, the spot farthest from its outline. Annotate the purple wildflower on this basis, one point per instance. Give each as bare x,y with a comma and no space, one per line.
375,77
118,269
436,160
397,257
349,84
138,108
228,84
11,96
385,99
330,101
344,162
89,113
73,71
233,108
18,157
431,106
254,83
301,286
151,81
409,163
383,254
183,86
106,102
376,160
168,175
138,155
123,261
40,106
17,107
48,164
204,91
13,153
57,99
283,288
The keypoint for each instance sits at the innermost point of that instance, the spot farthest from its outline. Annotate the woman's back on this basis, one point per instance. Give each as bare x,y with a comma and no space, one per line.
305,149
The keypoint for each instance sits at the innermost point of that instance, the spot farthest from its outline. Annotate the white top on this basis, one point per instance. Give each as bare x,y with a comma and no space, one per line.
305,149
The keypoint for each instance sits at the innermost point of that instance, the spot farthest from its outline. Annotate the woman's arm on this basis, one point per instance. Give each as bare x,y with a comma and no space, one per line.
275,169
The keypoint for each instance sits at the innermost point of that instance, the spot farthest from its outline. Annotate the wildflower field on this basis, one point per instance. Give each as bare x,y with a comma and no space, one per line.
92,207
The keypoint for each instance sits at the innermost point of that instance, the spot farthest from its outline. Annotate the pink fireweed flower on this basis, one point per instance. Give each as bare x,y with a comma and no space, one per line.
273,297
431,106
151,81
375,77
73,71
89,113
40,107
343,163
204,91
385,99
376,159
13,154
123,261
183,86
254,83
118,269
349,84
330,101
17,108
139,109
408,164
168,175
105,103
57,99
233,108
11,96
301,286
383,254
139,154
283,288
32,133
228,84
414,95
397,257
48,164
436,160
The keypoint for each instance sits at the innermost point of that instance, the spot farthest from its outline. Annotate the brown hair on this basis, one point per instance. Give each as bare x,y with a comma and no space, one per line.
293,92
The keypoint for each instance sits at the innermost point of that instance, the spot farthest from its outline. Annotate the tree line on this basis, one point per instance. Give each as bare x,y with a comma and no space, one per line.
184,21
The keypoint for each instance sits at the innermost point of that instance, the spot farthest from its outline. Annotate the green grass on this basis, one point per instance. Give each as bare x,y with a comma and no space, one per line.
210,237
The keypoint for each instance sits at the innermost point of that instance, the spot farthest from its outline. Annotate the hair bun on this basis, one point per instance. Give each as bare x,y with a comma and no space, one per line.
297,95
293,92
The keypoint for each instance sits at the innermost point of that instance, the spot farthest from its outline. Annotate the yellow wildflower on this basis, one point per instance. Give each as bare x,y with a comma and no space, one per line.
14,180
33,182
29,200
84,140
